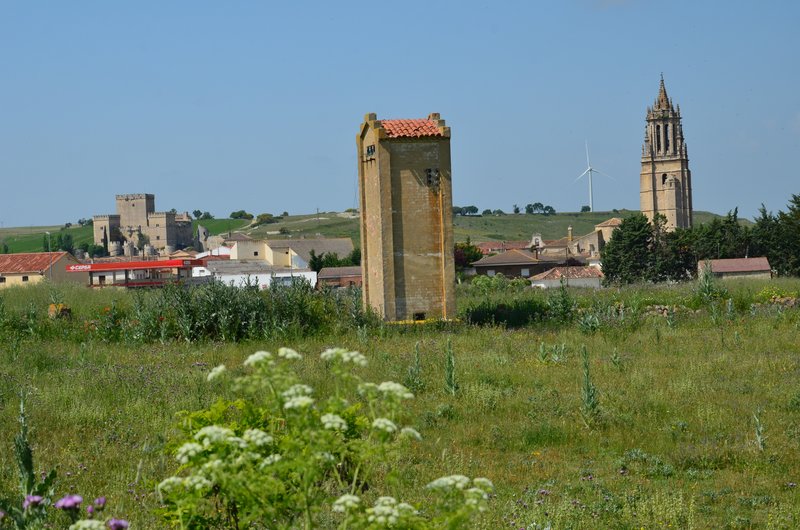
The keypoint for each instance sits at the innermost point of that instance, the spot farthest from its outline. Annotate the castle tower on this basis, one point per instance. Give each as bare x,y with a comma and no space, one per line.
405,199
666,182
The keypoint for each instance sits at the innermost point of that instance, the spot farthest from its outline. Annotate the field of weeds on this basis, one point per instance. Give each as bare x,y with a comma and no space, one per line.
646,407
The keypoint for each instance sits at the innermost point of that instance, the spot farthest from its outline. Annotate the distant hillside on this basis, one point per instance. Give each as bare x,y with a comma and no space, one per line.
345,224
31,238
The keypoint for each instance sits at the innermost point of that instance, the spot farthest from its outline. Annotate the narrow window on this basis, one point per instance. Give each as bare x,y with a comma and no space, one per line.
432,177
664,179
255,253
658,138
525,273
2,279
370,150
419,316
666,137
24,278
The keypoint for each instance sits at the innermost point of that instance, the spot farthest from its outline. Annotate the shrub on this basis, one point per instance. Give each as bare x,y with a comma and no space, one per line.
281,455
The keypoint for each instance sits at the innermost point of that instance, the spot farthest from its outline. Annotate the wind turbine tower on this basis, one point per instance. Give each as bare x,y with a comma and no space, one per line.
590,171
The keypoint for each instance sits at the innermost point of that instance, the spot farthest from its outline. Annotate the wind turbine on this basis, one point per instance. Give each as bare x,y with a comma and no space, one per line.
590,170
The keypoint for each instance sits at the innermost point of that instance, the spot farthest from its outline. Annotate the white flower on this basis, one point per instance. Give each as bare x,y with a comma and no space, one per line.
258,357
392,389
188,451
333,422
453,481
238,442
345,503
289,354
257,437
197,483
410,433
88,524
384,512
344,355
213,434
483,483
325,457
299,402
212,467
384,424
216,372
297,390
170,484
268,461
367,389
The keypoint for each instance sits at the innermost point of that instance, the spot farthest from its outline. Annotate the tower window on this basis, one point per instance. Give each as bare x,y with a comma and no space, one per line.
370,150
664,179
666,137
432,177
658,138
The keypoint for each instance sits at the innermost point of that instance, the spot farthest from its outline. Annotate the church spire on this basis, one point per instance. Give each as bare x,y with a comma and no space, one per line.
663,101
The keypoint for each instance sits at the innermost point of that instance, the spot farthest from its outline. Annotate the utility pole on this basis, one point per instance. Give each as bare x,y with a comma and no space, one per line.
50,256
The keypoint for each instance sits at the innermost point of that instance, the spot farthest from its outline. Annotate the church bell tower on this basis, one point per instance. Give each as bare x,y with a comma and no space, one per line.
666,182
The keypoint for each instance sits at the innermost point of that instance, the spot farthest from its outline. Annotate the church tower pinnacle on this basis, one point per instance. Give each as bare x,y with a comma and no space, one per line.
666,182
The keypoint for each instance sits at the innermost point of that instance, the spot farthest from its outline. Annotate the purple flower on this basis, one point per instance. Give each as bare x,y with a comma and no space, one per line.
32,501
100,503
2,514
69,502
90,510
117,524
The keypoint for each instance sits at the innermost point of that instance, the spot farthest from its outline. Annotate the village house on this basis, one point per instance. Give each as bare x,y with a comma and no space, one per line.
289,253
571,276
738,268
32,267
514,264
336,277
258,273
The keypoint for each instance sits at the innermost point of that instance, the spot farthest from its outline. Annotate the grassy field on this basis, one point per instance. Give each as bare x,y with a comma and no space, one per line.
697,423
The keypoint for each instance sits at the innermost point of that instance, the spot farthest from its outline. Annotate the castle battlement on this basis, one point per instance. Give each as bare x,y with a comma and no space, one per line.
106,216
135,196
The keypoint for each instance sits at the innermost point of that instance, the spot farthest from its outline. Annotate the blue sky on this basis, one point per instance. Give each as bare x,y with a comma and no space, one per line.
252,105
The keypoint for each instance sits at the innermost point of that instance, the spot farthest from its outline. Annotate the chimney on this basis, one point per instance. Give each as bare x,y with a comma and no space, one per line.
569,233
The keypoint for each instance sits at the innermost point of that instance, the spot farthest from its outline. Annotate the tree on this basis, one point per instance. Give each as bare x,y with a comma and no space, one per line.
285,214
264,219
487,211
529,209
197,214
515,209
241,214
538,207
466,253
627,256
498,212
788,252
585,209
458,210
470,210
548,210
3,247
206,215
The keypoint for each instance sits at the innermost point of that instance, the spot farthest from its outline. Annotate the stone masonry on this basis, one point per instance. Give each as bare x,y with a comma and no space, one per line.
405,198
666,182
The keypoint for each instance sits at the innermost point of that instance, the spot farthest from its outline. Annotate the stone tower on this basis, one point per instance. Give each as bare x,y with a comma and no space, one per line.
405,199
666,182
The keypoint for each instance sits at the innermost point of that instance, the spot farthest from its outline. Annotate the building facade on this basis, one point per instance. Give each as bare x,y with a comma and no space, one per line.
163,231
666,182
405,197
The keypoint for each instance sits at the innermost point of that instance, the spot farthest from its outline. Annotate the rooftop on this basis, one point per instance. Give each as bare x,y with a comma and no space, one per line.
28,262
569,273
738,265
614,221
411,128
510,257
338,272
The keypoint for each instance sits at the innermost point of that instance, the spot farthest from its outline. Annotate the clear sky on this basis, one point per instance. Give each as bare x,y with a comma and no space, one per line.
255,105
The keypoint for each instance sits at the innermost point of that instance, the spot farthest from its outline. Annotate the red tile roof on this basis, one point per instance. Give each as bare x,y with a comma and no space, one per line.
28,262
510,257
487,247
569,273
326,273
410,128
614,221
738,265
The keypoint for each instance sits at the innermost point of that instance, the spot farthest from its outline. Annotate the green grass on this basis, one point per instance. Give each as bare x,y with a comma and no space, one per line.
673,444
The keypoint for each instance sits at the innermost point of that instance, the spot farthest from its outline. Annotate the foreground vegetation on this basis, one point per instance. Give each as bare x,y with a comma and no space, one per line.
646,407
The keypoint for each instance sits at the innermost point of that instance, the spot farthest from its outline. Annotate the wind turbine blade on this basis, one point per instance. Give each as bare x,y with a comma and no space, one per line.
586,142
604,174
582,174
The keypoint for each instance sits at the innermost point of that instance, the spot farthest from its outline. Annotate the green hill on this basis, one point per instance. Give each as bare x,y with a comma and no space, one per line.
345,224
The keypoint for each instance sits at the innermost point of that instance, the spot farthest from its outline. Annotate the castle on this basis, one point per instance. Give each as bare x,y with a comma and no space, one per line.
666,182
406,209
137,227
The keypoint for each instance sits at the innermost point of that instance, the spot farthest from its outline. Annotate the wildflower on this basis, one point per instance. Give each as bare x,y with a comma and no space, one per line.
368,389
90,511
385,425
409,432
391,389
257,437
259,357
188,451
483,483
100,503
117,524
268,461
289,354
197,483
299,402
69,502
2,515
212,434
297,390
170,484
216,372
346,503
32,501
333,422
453,481
344,356
88,524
